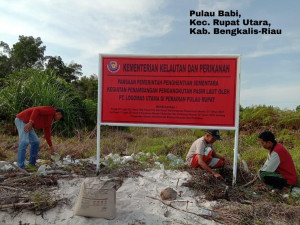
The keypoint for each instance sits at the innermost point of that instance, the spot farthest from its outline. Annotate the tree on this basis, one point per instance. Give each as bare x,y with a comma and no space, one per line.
67,72
55,63
72,71
76,69
87,87
27,53
5,66
5,61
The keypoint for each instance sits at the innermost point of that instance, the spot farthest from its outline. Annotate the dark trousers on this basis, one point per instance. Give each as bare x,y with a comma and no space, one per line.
273,179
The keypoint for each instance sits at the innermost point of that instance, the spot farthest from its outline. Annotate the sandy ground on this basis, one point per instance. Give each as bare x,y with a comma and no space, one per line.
133,207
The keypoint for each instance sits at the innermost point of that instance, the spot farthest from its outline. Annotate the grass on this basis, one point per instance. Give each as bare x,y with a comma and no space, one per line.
159,141
42,200
156,144
84,145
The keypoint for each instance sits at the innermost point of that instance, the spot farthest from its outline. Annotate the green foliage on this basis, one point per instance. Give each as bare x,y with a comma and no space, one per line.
90,112
31,168
285,137
295,153
31,87
67,72
5,66
115,142
158,145
251,140
87,87
259,118
5,61
255,157
289,119
198,133
27,53
163,159
248,140
42,201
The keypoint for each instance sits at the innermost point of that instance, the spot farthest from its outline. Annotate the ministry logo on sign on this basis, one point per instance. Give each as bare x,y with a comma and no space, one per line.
113,66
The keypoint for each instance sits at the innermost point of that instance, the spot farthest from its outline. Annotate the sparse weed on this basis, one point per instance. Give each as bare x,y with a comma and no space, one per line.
42,201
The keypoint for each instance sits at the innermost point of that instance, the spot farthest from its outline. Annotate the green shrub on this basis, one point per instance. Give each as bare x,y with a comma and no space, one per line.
31,87
91,112
259,118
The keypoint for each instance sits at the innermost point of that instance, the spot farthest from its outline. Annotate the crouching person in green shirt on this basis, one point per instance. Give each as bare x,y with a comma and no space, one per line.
279,169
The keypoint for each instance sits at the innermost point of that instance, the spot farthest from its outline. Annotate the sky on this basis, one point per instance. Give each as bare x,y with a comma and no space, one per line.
79,31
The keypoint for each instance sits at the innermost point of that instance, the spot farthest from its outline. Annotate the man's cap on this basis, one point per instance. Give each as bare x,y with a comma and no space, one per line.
62,113
215,134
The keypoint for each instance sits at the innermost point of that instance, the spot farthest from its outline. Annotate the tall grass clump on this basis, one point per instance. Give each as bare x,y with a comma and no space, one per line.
31,87
91,112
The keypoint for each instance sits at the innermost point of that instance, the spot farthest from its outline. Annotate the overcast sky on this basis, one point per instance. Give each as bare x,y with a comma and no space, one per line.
79,30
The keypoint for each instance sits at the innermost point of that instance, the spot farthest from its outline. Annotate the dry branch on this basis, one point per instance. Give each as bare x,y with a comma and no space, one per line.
174,207
12,189
23,204
250,182
61,172
10,181
19,169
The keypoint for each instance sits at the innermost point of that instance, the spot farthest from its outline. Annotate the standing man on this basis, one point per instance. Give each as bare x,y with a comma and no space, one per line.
202,154
40,117
279,169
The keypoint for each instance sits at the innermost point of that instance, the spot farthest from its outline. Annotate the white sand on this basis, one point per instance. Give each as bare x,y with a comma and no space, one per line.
133,207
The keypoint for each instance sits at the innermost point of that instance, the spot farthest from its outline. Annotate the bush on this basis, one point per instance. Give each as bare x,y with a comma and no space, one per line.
91,112
31,87
259,118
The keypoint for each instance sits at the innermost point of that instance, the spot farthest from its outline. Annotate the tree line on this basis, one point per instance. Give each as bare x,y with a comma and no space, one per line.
29,53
